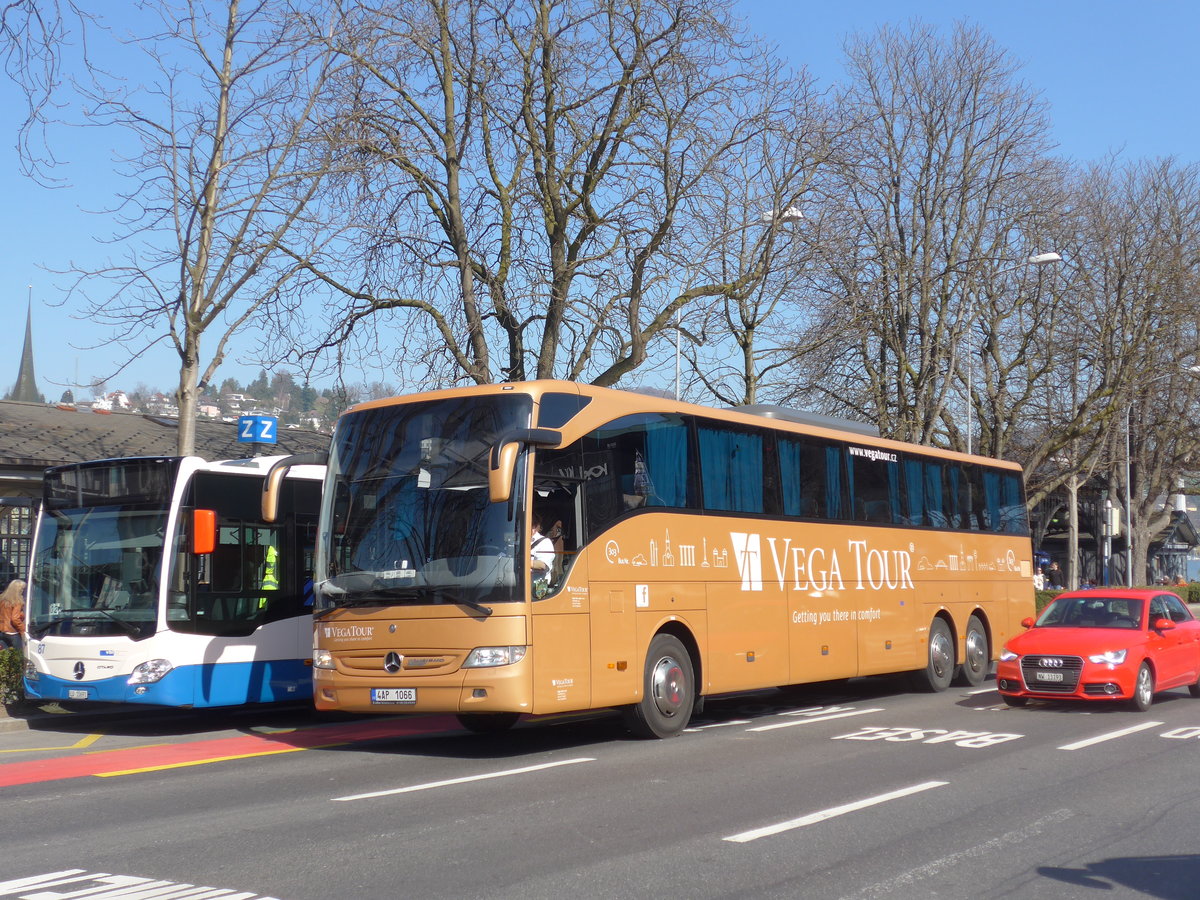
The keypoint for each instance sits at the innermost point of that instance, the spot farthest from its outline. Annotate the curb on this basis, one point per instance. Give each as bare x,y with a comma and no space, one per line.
33,717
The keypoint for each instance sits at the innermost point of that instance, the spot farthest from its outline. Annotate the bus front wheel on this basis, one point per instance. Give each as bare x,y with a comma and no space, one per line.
668,691
939,665
488,723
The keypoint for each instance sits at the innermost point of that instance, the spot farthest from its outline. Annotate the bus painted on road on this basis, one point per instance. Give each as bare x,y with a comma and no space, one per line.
154,580
701,551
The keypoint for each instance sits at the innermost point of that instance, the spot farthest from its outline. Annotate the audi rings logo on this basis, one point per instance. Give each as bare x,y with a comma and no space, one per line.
79,671
1051,662
393,662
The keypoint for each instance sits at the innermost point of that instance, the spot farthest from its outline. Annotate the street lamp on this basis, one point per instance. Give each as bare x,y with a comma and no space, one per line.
771,219
1037,259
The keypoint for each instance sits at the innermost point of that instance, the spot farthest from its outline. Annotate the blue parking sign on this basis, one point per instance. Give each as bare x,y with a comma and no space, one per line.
257,429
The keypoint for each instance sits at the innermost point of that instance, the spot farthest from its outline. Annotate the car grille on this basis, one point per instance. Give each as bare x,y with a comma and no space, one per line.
1041,671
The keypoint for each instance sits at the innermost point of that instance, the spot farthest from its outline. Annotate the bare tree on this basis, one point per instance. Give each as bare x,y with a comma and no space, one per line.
230,156
919,215
534,180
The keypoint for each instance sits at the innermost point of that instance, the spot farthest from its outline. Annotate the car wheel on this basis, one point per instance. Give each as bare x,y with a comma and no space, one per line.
488,723
1143,689
1194,689
1014,701
939,668
976,660
668,691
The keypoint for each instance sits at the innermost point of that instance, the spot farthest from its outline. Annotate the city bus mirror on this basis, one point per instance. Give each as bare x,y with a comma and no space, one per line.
500,475
274,478
1027,622
204,531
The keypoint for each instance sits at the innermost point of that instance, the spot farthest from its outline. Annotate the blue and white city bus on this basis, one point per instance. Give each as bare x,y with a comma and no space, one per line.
155,580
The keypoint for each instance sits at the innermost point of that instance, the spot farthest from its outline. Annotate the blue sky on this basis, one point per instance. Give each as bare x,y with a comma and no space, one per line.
1118,76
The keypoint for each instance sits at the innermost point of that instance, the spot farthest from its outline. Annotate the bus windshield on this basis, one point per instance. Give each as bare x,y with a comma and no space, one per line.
96,572
408,517
99,548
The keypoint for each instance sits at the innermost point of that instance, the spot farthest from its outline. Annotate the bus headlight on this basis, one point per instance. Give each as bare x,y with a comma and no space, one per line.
150,671
485,657
322,659
31,672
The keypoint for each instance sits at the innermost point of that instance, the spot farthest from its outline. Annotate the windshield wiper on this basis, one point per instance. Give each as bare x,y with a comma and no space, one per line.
38,629
129,627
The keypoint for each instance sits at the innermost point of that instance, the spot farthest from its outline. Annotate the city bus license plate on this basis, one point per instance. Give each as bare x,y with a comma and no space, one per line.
1049,676
393,695
77,695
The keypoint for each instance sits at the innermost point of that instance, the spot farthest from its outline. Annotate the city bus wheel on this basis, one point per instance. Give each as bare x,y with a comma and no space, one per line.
976,660
939,667
668,691
488,723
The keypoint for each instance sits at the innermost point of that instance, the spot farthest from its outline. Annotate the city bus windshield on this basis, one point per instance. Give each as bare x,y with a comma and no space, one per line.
99,548
409,518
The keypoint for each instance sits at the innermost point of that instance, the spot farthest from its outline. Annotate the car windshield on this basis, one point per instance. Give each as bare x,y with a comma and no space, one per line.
1093,612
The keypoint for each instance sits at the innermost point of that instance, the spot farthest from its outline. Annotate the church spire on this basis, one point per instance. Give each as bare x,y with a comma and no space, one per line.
26,388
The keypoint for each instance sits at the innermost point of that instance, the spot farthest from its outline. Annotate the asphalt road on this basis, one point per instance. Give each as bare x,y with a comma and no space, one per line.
854,791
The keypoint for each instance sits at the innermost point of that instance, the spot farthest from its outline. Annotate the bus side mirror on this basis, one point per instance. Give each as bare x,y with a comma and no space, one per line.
204,531
500,475
274,478
503,460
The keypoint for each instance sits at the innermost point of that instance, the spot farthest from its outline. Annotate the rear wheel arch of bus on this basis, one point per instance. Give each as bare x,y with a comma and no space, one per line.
975,660
940,656
669,686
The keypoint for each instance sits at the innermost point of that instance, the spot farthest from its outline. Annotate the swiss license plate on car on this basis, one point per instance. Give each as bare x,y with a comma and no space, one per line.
77,695
393,695
1049,676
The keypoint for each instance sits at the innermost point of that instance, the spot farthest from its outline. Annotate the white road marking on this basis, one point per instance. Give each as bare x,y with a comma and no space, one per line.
903,882
466,779
106,886
990,690
813,818
1101,738
809,721
696,728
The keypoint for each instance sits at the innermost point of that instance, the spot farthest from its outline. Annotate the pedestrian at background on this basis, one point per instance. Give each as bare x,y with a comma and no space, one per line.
1039,580
12,615
1054,579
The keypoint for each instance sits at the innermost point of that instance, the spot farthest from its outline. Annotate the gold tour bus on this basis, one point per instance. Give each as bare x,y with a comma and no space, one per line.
683,551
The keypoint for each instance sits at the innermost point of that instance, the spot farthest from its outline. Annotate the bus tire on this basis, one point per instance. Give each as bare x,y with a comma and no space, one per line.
488,723
939,666
668,691
976,658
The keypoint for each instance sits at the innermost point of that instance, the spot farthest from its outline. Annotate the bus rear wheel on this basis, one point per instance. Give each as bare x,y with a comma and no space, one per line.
976,659
939,665
488,723
668,691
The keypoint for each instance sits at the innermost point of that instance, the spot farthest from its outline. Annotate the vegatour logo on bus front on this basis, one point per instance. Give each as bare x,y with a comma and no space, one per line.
819,568
349,632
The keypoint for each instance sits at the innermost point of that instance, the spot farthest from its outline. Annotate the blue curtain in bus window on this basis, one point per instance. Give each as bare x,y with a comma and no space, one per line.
834,507
935,507
789,471
991,497
957,485
666,463
1012,506
731,470
914,477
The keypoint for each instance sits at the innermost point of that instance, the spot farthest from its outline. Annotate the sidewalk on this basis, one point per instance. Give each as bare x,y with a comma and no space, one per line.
50,715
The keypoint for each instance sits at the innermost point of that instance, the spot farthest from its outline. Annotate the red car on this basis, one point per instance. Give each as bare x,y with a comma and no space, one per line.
1103,644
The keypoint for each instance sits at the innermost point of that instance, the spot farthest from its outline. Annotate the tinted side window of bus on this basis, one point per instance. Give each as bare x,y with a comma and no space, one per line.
1004,507
812,479
637,462
733,468
875,487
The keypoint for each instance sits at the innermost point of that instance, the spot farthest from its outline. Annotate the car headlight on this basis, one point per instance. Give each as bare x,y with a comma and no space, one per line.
1112,657
1007,655
150,671
485,657
322,659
